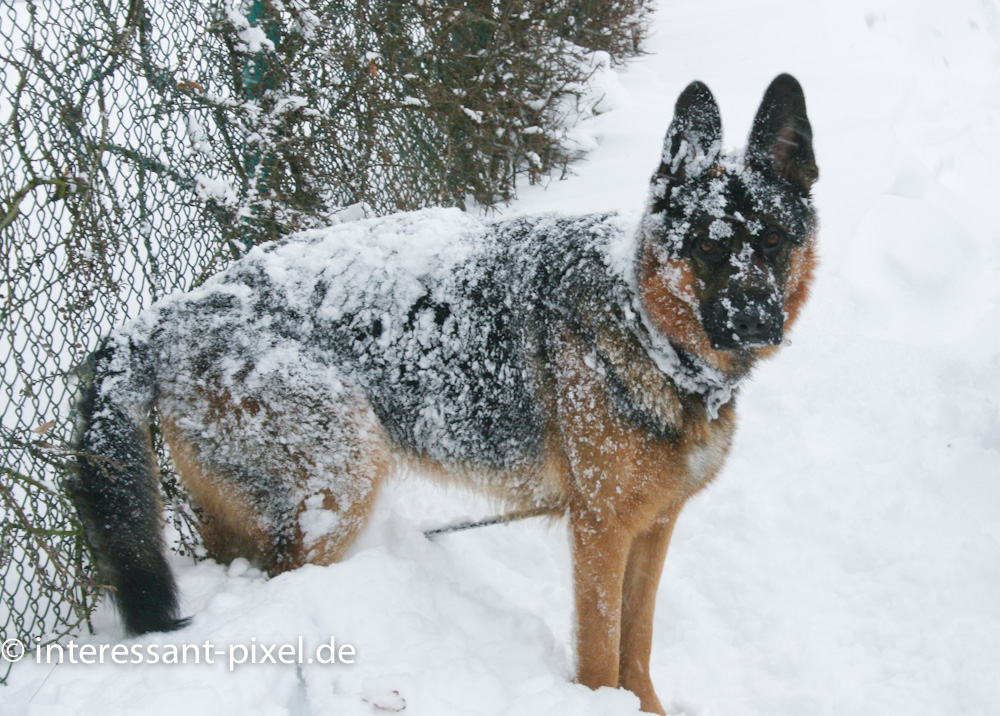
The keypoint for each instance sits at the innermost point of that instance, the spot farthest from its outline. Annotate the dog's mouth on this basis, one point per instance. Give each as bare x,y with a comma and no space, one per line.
744,328
735,343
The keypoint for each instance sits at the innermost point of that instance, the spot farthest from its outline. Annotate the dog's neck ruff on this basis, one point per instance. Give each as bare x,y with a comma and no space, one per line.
690,373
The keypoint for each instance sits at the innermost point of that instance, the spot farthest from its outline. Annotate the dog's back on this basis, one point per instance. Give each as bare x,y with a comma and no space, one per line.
438,320
290,384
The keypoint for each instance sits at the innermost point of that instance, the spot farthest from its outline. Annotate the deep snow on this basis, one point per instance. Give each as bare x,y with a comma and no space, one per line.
847,560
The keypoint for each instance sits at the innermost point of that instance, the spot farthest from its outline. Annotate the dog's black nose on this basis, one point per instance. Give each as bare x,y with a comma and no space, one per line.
754,326
747,324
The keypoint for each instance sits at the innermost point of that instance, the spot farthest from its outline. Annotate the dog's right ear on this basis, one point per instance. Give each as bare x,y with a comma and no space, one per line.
693,140
781,138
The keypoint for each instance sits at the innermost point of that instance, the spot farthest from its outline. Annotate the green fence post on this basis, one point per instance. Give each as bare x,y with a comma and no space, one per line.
259,78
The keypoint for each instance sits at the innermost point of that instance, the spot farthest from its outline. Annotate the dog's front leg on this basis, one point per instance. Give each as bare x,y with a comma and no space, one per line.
599,556
642,576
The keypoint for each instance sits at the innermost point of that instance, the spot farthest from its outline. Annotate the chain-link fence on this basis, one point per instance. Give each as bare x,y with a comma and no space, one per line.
146,143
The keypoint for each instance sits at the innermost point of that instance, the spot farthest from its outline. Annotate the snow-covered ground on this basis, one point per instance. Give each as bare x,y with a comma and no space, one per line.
846,562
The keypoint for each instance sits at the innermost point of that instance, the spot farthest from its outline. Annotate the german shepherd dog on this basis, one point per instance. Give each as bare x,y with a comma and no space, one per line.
587,366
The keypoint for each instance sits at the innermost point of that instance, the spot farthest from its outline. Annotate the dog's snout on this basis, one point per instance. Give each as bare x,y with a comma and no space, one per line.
756,326
747,324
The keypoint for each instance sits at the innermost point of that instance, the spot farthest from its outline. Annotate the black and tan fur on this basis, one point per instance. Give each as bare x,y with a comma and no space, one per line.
542,366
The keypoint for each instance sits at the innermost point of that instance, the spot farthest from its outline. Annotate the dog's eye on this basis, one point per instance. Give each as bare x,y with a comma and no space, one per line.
709,248
773,239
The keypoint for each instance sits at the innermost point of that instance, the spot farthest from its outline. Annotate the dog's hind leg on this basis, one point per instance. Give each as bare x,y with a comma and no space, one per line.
234,521
642,576
277,486
333,508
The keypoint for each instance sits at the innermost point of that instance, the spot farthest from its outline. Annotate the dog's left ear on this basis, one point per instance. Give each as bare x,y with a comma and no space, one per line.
781,138
693,140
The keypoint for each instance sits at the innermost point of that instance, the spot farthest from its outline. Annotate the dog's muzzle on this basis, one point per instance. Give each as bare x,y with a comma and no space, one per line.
746,325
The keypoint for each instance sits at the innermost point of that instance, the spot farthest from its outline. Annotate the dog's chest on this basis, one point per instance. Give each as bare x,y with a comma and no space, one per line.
707,449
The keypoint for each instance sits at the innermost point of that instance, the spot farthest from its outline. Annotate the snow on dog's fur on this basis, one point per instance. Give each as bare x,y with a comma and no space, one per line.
585,365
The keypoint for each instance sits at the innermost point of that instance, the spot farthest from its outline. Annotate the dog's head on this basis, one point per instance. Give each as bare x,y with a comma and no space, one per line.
727,240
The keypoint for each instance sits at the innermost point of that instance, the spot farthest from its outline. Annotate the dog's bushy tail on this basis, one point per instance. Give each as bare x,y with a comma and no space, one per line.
115,487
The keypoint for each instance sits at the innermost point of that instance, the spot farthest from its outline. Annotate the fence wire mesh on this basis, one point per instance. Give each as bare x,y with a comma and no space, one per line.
146,143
